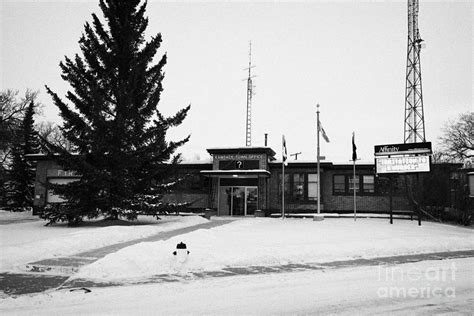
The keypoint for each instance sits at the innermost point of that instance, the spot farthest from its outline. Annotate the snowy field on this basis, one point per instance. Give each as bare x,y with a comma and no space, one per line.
272,241
27,239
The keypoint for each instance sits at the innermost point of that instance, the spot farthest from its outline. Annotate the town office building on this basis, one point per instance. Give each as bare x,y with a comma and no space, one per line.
239,181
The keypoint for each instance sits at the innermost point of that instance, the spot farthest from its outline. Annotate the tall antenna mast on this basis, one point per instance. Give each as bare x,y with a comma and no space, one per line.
414,116
250,93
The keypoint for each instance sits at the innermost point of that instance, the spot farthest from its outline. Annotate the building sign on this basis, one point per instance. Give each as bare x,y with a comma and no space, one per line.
61,173
239,164
403,149
402,158
402,164
51,197
239,157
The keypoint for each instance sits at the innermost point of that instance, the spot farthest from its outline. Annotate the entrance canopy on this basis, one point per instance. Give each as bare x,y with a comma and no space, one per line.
239,179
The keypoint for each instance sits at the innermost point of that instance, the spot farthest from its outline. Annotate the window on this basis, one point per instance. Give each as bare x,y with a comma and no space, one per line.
351,184
313,186
368,182
287,185
302,187
343,184
298,186
339,184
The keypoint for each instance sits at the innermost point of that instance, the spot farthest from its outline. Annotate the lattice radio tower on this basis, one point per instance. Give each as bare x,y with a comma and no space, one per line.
414,116
250,93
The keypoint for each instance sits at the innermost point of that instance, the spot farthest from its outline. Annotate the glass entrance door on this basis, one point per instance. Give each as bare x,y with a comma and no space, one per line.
251,197
237,201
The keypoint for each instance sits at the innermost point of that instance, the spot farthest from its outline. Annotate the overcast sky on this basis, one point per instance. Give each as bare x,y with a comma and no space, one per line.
348,56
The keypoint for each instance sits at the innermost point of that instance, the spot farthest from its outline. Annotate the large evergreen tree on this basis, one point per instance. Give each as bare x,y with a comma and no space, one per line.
22,171
112,121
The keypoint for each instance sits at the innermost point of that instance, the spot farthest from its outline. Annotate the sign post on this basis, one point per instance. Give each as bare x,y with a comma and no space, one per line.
393,159
354,158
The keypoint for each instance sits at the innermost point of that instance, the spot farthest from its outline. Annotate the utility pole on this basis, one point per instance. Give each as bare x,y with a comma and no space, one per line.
414,130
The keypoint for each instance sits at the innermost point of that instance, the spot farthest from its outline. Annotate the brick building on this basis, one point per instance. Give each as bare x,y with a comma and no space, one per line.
239,181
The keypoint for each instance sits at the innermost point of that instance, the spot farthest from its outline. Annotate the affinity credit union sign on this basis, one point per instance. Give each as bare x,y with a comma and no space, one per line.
403,158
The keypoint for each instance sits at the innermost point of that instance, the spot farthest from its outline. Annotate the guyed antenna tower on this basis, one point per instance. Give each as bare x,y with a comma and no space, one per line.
414,130
250,94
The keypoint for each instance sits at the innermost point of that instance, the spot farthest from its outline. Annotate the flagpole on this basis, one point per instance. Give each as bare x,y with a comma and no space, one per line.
318,168
354,177
353,183
283,189
283,160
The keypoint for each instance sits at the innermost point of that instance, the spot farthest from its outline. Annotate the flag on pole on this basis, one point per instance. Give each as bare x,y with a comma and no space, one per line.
354,148
283,151
323,132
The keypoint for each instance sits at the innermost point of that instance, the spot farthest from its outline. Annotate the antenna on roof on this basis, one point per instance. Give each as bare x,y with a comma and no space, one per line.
296,155
250,93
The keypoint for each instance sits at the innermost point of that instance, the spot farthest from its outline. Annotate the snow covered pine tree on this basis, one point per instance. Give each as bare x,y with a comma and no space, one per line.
116,130
20,188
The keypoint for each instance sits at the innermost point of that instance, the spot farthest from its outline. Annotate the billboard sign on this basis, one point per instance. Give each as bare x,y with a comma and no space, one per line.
402,158
402,164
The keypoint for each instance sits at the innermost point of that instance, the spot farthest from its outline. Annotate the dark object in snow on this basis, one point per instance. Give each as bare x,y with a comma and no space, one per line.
181,247
86,290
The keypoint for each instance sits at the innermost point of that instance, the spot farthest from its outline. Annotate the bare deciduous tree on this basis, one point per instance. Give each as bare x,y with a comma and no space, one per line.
458,138
12,109
52,133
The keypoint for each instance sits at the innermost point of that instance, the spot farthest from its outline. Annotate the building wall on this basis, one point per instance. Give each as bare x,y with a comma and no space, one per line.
199,197
43,167
205,196
195,189
199,200
274,189
330,202
376,202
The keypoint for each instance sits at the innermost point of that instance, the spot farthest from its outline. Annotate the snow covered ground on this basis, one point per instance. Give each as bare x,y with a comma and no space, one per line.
272,241
419,288
429,287
29,240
